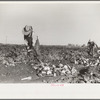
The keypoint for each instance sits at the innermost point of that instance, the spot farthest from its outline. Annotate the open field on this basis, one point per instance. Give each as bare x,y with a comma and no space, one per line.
60,64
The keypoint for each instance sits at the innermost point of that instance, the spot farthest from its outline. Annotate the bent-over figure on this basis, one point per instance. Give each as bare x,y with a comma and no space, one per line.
28,31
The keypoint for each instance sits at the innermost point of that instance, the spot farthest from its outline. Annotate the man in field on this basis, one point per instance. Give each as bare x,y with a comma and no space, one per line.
91,45
28,31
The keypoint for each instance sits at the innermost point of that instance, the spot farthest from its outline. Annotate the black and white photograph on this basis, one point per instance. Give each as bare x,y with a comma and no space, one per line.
49,49
43,42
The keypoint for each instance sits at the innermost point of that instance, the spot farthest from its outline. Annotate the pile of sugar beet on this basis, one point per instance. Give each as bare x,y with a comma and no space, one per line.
81,70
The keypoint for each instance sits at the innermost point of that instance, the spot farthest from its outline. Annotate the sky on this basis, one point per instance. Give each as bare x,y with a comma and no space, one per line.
55,23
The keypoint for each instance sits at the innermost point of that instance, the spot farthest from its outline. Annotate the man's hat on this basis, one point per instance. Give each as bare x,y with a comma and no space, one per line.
27,30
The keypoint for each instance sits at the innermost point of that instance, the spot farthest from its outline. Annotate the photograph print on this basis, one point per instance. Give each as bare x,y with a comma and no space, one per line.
49,42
